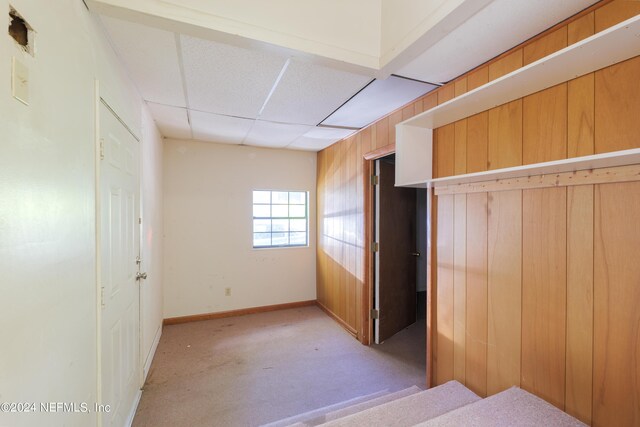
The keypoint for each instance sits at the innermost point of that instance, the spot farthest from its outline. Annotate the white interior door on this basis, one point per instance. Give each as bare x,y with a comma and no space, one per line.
120,245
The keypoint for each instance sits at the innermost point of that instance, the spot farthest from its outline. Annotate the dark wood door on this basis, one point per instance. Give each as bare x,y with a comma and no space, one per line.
397,254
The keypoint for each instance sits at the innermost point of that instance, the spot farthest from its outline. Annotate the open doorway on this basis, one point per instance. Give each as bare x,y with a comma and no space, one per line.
399,263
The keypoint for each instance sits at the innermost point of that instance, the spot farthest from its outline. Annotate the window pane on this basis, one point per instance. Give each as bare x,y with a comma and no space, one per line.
298,225
297,198
280,225
280,239
280,211
261,225
261,239
298,238
261,211
297,211
280,197
262,197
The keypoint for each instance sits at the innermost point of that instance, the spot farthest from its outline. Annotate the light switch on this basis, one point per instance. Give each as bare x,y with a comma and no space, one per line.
20,81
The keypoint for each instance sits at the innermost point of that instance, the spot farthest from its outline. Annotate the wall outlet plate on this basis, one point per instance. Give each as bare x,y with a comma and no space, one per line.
20,81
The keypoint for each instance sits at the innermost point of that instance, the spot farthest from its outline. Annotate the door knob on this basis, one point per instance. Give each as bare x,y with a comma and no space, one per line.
415,254
141,276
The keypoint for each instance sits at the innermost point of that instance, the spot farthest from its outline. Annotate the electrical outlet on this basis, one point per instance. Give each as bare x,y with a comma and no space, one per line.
227,292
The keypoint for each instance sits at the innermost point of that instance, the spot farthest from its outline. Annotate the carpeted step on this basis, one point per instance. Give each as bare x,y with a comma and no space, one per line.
512,407
359,407
316,416
413,409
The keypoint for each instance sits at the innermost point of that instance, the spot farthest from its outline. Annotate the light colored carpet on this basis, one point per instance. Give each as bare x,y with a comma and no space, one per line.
511,408
252,370
334,415
413,409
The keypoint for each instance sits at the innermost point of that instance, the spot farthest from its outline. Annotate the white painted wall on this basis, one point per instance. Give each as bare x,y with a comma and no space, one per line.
47,209
151,247
208,228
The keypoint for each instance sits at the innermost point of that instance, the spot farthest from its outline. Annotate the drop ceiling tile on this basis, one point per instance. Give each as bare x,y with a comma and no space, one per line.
275,135
486,35
151,58
307,93
319,138
228,80
376,100
216,128
172,121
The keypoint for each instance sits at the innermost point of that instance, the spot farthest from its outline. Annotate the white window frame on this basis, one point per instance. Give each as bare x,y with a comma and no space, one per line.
272,218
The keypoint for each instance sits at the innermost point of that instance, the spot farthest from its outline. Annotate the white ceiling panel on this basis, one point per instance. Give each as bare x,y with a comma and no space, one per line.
319,138
151,59
275,135
498,27
172,121
216,128
376,100
307,93
228,80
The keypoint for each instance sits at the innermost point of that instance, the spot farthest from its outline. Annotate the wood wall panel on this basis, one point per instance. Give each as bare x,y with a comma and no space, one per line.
544,293
580,116
504,290
477,142
459,286
617,92
581,28
616,361
444,151
545,45
505,136
394,119
478,78
460,147
444,290
544,125
476,342
508,63
615,12
579,370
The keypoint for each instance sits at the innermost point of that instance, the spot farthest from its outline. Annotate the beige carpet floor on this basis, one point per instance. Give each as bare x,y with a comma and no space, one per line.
250,370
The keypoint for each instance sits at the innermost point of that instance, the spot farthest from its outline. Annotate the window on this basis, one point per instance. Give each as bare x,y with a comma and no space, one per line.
280,218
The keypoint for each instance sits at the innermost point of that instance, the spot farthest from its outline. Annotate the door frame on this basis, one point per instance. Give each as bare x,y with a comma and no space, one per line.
368,290
101,99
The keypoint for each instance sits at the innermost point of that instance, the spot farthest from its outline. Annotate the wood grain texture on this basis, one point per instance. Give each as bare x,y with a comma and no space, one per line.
580,116
460,147
505,135
382,134
616,358
617,94
444,290
459,286
460,87
444,151
478,78
476,342
477,142
544,125
504,290
506,64
446,93
394,119
615,12
428,101
579,302
581,28
545,45
544,293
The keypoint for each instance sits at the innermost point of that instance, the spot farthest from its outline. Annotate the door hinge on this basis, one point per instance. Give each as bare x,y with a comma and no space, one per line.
375,247
102,296
375,180
139,220
374,314
101,148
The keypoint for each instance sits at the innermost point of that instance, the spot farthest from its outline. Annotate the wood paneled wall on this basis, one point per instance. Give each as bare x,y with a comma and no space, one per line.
515,300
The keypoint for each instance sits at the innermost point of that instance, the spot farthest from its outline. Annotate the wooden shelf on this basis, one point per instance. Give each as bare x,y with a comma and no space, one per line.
605,160
608,47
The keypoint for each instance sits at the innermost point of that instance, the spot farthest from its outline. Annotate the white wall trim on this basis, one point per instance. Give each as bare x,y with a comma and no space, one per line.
151,355
134,409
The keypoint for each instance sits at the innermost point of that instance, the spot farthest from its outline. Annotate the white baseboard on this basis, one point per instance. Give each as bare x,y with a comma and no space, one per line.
151,355
134,409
